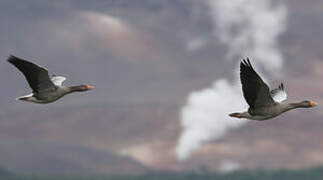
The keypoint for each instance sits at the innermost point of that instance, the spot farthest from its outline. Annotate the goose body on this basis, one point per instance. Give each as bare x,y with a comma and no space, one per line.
45,89
263,103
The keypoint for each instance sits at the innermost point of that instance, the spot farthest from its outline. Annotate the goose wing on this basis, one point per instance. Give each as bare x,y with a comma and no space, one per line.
58,80
37,76
279,94
255,90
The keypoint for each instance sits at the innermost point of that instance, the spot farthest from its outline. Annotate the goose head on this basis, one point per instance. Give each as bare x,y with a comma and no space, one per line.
306,104
81,88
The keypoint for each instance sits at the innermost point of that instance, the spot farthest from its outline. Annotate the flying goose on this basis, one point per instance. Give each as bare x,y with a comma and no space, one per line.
45,89
264,104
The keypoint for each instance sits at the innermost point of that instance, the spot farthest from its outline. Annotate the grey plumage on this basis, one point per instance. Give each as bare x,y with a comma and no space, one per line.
263,103
45,89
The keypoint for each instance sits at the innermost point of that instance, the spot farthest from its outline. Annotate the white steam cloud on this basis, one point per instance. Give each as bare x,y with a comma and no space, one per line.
249,28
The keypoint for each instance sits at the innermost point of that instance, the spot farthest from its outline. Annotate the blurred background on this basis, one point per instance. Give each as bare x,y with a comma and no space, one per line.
166,76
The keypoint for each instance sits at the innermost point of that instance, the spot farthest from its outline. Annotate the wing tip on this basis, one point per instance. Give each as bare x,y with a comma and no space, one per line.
11,58
245,63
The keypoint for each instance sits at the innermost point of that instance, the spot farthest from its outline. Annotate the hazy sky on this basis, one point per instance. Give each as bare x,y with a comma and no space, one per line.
145,59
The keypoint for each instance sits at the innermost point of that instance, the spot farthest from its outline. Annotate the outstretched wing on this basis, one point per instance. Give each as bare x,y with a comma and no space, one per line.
255,90
37,76
279,94
58,80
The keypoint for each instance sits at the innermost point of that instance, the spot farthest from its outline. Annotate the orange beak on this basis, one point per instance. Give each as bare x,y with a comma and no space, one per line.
313,104
89,87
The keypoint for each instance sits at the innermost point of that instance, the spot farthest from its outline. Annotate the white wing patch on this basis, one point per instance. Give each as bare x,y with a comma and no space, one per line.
58,80
279,95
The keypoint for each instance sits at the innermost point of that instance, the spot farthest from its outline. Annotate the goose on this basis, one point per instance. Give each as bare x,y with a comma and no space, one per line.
263,103
45,89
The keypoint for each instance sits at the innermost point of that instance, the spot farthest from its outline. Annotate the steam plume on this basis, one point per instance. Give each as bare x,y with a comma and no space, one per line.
247,28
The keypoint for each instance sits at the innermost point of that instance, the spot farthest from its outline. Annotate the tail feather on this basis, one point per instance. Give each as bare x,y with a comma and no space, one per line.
236,115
